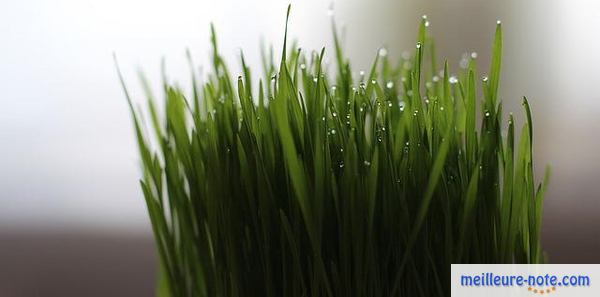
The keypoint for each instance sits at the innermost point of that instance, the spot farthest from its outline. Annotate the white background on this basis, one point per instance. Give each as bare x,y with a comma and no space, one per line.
67,153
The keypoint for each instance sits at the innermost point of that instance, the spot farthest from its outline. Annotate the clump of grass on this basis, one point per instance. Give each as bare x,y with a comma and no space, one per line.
311,184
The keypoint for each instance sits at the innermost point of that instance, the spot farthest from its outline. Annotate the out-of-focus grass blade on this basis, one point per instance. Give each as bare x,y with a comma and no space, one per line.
496,62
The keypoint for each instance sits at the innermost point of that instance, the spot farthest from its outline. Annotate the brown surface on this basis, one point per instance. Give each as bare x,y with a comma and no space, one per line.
571,238
65,264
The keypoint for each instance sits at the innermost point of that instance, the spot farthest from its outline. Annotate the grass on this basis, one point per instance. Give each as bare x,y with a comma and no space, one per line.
306,183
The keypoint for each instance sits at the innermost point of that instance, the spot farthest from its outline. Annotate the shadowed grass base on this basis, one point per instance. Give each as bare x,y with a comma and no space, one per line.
305,183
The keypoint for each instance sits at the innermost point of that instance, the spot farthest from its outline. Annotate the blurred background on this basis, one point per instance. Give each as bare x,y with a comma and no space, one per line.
72,218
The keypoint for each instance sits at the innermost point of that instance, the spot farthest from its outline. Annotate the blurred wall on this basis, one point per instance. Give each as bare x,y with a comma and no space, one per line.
68,153
68,160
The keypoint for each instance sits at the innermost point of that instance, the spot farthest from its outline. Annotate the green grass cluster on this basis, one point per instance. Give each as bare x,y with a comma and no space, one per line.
305,183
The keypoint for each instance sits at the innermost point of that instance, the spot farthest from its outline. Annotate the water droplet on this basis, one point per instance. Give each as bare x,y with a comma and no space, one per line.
373,81
398,181
239,77
302,66
407,143
487,114
361,73
435,78
453,79
367,163
426,100
334,114
498,22
341,164
342,149
323,119
389,84
361,109
418,45
401,105
484,79
315,79
426,23
389,104
442,108
383,52
348,115
424,17
474,55
333,88
333,131
330,10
